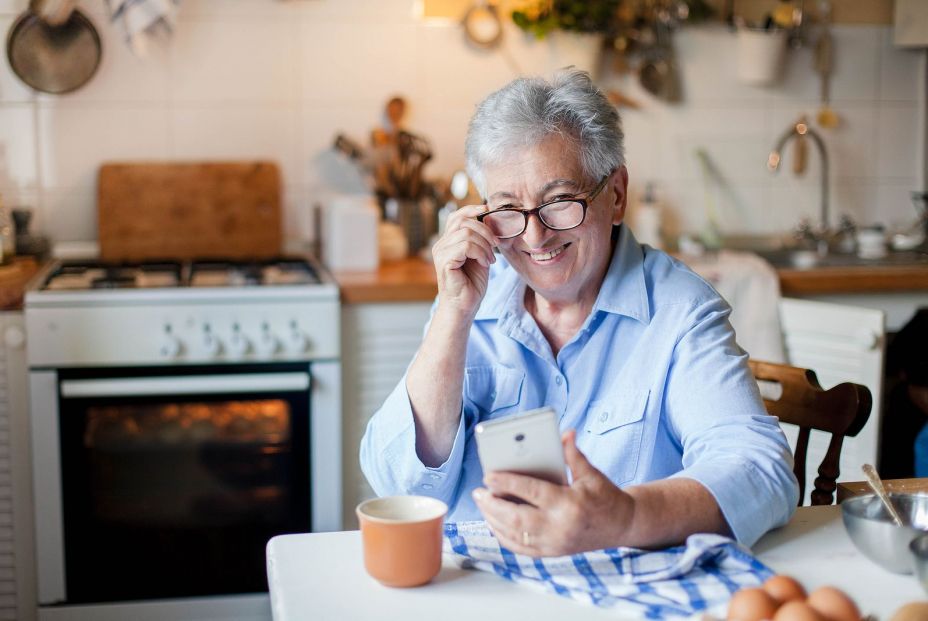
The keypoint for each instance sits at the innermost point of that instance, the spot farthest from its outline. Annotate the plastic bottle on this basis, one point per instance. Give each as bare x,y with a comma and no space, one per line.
647,225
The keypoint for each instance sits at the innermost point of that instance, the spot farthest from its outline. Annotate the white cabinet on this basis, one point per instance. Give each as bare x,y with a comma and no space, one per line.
17,585
840,343
378,343
899,306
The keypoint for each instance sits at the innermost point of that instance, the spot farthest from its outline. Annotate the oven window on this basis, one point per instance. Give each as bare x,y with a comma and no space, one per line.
174,497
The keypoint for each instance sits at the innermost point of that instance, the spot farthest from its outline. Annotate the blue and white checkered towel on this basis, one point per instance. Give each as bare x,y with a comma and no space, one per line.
676,582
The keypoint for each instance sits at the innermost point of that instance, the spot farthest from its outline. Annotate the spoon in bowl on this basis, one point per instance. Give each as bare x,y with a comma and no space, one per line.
877,485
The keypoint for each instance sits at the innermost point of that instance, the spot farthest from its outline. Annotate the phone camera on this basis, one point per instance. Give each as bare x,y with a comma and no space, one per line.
520,437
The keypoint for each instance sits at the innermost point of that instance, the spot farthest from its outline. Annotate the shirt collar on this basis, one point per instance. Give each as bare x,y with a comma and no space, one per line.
623,291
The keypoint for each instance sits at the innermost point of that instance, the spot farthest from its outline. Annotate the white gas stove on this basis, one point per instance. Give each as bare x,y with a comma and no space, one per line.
182,312
182,413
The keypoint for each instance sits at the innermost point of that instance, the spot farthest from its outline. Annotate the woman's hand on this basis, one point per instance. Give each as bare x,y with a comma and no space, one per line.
462,257
590,514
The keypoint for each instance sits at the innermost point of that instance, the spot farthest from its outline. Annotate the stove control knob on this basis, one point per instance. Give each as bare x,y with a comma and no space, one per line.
14,337
297,342
239,345
267,344
170,346
210,346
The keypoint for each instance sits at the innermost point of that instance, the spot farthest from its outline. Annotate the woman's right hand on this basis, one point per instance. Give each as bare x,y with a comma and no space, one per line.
462,257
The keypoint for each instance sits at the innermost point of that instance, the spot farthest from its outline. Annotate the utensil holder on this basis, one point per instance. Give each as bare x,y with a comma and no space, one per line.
417,218
760,55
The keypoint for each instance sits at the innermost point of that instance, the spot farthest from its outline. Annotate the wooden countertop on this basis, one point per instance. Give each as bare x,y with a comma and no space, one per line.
869,279
407,280
413,280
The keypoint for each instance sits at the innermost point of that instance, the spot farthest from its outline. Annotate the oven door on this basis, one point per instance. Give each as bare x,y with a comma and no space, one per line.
170,481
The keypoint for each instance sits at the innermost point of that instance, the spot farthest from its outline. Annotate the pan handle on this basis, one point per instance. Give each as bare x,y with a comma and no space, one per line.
53,12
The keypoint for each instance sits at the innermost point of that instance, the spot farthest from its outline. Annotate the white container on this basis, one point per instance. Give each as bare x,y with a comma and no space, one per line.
760,55
647,220
349,234
871,243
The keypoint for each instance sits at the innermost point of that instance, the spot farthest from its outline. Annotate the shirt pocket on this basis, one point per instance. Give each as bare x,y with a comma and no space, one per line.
616,426
493,388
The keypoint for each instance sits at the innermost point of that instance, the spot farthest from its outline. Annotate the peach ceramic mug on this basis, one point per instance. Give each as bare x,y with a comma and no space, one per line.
402,538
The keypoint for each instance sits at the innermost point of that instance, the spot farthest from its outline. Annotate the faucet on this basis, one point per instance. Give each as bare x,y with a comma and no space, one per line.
801,128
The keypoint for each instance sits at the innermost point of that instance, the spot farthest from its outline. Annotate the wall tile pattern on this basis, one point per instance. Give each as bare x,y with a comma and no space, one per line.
275,79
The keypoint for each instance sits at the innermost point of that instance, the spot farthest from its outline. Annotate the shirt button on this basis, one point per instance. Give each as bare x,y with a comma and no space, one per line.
604,416
558,380
435,476
426,486
493,395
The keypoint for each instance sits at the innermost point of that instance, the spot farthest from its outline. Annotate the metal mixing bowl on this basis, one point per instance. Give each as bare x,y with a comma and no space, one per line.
873,532
919,548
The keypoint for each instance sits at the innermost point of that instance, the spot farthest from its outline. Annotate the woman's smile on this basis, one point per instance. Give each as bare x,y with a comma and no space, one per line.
547,257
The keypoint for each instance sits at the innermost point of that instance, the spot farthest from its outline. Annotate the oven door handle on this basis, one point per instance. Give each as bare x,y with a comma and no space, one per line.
187,385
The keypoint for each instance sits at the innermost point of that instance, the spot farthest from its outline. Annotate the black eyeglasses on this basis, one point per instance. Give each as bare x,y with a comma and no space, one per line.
561,214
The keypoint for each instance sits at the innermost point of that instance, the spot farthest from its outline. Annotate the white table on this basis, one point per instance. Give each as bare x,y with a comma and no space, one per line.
321,576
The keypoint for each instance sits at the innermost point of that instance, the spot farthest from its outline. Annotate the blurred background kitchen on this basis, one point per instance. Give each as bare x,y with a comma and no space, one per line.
280,78
777,146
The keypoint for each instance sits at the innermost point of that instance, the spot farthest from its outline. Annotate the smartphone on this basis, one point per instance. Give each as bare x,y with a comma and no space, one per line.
526,443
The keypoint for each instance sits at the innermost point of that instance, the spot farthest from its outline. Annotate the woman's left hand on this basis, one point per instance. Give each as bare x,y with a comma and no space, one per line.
590,514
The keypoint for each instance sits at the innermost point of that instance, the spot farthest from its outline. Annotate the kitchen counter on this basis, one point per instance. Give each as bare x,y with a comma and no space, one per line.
406,280
853,279
413,280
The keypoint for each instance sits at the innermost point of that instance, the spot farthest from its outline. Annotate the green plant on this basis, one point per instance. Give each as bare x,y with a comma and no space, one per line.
609,17
570,15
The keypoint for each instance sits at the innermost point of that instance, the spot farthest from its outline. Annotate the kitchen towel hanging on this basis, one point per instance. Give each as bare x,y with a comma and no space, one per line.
142,19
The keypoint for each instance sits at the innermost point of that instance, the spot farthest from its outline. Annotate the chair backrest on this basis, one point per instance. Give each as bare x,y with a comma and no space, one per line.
794,395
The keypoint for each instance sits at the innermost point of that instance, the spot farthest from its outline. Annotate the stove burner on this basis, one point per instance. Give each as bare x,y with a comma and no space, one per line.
113,282
165,274
252,274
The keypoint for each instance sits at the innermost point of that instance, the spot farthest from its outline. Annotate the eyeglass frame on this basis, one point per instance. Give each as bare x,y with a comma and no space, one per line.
584,203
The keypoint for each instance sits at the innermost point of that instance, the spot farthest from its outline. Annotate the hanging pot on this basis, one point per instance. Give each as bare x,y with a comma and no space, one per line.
53,47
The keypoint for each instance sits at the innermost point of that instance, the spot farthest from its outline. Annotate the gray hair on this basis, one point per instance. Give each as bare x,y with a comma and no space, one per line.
527,110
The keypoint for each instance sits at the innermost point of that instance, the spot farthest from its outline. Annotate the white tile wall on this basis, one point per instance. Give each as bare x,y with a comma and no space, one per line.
74,139
278,79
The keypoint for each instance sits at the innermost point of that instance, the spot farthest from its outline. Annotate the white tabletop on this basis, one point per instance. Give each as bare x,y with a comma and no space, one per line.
321,576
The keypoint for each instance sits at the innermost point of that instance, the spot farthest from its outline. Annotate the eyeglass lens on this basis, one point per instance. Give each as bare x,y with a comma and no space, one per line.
558,215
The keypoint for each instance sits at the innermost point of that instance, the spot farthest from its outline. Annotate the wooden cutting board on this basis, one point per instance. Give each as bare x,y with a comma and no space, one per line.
160,210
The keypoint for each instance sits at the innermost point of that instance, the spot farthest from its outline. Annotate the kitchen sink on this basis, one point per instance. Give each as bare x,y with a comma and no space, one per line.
794,258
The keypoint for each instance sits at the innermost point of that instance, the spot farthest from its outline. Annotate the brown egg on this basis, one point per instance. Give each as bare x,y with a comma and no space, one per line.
785,589
797,611
834,604
751,605
913,611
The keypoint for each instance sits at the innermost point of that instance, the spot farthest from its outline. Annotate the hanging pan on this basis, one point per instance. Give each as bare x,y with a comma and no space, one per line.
53,47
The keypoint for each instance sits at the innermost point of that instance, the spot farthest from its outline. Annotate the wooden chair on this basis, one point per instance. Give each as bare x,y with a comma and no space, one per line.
841,411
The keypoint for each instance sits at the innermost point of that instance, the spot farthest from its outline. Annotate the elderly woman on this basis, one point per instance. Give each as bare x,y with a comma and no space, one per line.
665,433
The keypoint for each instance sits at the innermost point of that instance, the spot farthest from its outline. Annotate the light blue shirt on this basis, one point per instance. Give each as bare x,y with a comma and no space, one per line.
654,383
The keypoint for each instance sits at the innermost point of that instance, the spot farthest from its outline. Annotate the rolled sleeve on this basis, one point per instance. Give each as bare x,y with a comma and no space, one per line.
730,445
754,493
388,453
